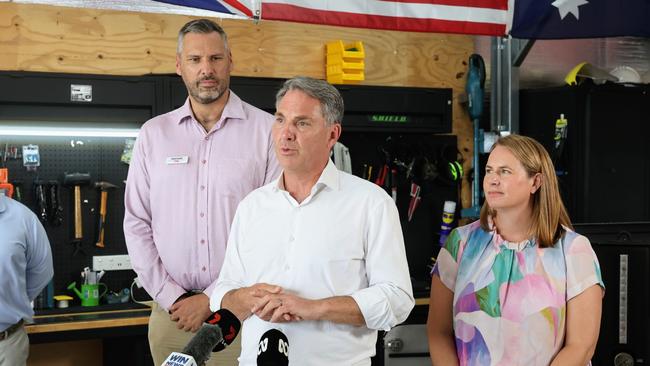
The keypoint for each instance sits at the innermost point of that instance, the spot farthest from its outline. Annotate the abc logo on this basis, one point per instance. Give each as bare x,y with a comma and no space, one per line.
283,346
264,344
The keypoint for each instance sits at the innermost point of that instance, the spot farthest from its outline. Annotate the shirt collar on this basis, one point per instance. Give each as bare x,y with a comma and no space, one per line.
234,109
500,241
329,177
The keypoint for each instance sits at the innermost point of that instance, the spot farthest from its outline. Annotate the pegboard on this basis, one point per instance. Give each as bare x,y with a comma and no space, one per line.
100,157
421,233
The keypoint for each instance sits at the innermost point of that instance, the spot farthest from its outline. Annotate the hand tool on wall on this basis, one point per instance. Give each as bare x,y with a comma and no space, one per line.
41,202
77,180
18,190
367,171
5,187
381,178
103,187
408,168
55,211
415,200
5,152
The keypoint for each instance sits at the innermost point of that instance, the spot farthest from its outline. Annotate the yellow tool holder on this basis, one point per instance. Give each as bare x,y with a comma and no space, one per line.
345,62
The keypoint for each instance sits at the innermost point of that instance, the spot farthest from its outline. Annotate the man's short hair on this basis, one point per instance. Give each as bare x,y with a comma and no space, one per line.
202,26
329,97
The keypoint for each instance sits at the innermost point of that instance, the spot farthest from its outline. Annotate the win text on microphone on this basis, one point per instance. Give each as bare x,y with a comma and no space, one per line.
198,349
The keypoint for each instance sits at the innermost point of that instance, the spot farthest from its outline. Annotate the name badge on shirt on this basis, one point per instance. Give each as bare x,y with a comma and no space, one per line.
181,159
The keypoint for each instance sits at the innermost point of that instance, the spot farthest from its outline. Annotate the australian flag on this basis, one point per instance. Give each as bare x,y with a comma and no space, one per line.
560,19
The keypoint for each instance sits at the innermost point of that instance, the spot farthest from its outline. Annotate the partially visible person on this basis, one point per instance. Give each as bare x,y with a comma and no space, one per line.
25,269
318,253
519,286
190,168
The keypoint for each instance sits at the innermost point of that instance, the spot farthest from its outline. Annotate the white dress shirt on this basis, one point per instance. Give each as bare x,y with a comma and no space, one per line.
344,239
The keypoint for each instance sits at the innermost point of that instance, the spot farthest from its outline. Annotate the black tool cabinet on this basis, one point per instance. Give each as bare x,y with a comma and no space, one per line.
604,175
623,250
604,169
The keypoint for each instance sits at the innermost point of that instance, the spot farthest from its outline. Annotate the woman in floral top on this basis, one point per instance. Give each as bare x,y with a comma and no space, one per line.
518,287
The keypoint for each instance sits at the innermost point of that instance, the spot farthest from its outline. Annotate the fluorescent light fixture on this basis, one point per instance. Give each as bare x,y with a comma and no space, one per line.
66,129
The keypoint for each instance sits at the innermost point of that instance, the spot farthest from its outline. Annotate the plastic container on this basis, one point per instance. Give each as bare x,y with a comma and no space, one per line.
345,63
352,51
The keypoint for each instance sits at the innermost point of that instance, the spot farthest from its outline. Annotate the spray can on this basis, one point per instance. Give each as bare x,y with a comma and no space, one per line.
448,211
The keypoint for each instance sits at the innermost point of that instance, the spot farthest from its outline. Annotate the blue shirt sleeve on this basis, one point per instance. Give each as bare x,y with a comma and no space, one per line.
39,267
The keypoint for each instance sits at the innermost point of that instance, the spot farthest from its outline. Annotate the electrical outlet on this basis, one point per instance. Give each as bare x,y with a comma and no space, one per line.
111,262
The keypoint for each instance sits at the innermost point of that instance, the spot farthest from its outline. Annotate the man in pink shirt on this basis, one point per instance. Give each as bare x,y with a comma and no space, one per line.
189,170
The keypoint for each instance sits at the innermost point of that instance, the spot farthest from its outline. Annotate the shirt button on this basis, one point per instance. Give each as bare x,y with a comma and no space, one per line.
204,161
202,187
201,214
291,238
207,138
202,241
203,269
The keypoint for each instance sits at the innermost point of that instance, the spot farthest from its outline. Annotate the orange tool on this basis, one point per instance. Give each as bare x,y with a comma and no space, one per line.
5,186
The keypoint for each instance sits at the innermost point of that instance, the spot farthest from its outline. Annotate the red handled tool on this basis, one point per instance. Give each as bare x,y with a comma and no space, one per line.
381,178
415,200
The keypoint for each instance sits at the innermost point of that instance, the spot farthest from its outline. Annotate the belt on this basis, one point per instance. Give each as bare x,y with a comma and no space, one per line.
9,331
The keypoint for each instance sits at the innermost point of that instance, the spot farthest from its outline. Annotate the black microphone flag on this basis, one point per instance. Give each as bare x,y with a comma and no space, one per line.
273,349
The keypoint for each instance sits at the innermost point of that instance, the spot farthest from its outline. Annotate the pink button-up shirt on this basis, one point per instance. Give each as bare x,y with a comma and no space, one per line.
183,187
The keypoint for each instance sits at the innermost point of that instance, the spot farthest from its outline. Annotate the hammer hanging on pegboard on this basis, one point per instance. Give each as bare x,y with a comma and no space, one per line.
77,180
103,187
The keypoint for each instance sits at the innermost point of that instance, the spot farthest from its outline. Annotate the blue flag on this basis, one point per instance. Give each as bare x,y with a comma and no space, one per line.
561,19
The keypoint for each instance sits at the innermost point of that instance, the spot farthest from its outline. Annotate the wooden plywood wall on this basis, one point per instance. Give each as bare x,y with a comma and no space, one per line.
61,39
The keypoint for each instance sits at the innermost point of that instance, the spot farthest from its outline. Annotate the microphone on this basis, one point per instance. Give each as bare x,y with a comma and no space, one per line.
198,349
229,325
179,359
273,349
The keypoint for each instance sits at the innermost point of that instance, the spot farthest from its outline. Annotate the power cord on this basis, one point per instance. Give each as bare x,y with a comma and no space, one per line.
136,282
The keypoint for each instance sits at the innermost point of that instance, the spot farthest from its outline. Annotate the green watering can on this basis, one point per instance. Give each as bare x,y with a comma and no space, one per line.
89,294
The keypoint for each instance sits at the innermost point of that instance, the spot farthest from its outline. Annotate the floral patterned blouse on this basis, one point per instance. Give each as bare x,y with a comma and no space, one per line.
510,299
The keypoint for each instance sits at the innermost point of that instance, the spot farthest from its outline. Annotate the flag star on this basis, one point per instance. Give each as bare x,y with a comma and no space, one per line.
569,6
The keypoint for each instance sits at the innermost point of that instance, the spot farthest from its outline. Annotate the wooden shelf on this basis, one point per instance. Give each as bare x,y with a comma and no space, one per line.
88,320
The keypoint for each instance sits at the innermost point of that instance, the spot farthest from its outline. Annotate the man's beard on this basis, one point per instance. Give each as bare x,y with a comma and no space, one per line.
206,96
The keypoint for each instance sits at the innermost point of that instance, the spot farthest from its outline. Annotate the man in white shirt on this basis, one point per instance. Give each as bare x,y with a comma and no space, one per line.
318,253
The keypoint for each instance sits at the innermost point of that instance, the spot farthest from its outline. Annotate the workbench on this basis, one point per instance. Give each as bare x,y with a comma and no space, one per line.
102,335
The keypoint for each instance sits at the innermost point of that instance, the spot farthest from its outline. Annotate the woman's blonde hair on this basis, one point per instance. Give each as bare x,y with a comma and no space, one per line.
549,213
